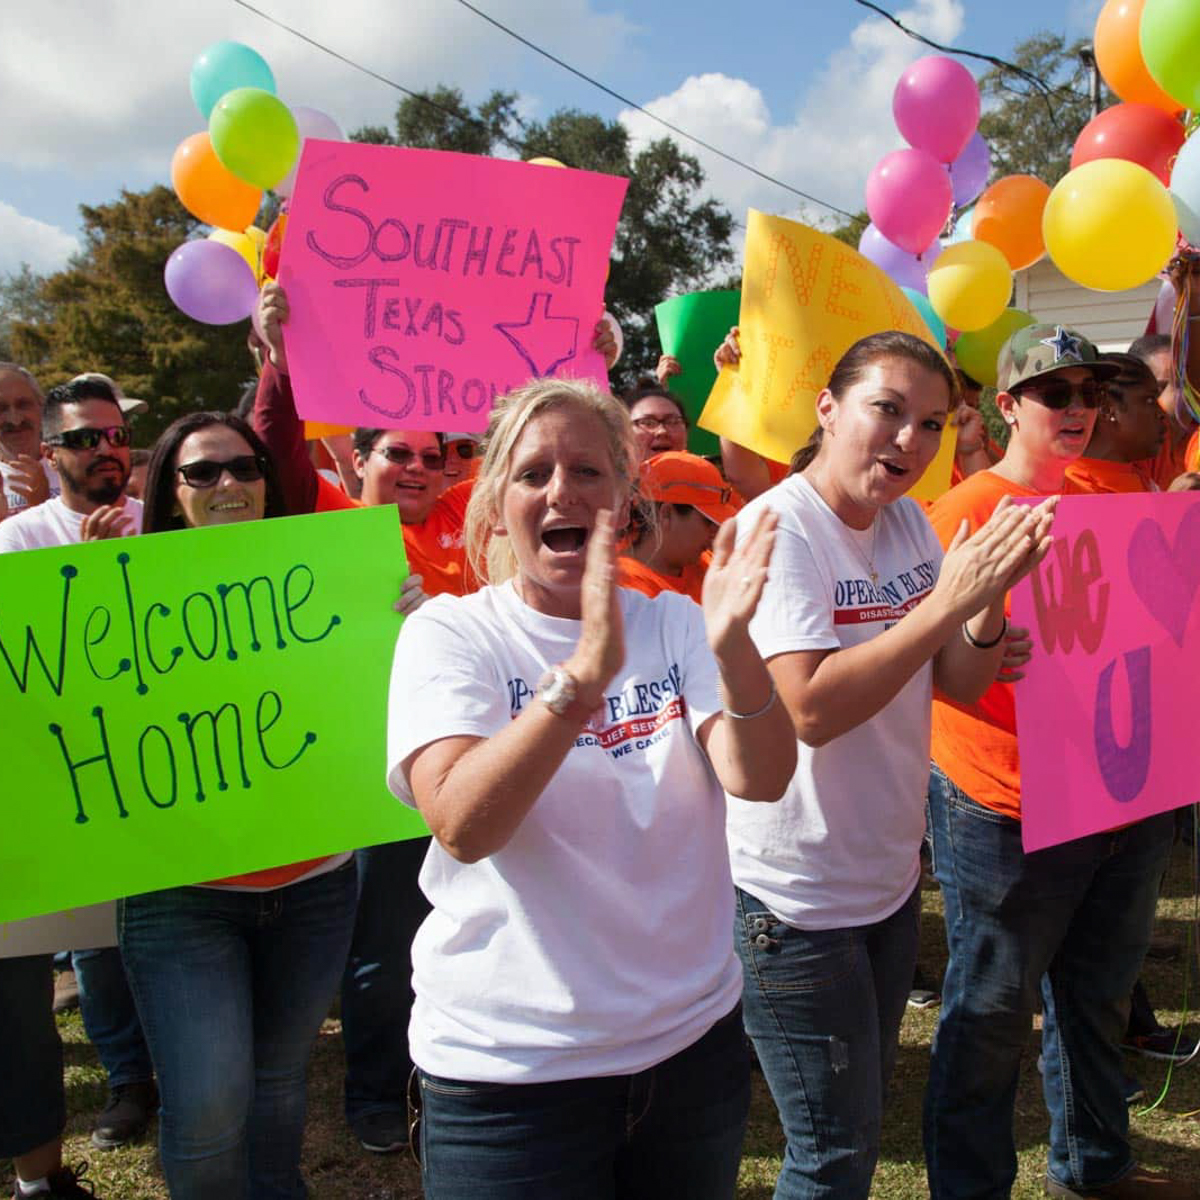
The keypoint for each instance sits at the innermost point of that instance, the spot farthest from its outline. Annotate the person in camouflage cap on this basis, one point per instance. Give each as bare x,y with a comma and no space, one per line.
1039,350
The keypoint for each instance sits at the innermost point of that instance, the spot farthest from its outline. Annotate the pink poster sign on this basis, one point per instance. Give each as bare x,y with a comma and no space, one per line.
424,284
1107,712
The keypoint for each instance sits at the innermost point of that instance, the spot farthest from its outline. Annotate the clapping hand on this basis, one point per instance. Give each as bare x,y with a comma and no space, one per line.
734,581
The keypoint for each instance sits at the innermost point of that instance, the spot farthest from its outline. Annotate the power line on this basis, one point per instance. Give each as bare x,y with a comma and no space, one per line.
646,112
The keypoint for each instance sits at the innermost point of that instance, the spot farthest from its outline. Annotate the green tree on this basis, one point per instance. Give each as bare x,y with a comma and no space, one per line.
669,239
21,299
1030,129
109,311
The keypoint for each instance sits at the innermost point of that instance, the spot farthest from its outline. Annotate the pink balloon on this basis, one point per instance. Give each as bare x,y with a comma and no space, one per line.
1164,308
312,123
969,171
904,269
936,106
909,198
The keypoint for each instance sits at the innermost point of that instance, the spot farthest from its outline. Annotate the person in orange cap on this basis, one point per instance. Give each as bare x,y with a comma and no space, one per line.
687,500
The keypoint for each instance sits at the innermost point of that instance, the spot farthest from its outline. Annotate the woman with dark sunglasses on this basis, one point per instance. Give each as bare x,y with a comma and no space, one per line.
232,978
1066,928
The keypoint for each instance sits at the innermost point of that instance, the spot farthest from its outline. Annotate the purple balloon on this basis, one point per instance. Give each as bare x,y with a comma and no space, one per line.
909,198
311,123
969,171
936,106
904,269
210,282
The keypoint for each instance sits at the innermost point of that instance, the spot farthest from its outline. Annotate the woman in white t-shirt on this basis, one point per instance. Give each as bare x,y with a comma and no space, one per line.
577,1028
860,617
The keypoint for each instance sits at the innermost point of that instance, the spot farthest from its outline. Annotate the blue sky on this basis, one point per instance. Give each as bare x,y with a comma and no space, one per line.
95,92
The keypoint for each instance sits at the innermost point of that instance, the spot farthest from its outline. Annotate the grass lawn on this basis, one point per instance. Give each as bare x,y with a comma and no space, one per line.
1167,1137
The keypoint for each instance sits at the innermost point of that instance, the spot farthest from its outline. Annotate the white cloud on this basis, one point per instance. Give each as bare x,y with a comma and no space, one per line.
45,248
107,83
841,126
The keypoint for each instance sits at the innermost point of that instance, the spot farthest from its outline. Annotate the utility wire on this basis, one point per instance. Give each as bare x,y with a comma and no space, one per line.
646,112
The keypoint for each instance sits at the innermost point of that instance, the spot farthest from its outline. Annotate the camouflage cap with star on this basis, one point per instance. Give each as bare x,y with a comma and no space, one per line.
1042,349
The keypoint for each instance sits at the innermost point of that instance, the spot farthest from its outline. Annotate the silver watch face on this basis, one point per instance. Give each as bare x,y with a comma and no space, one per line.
556,689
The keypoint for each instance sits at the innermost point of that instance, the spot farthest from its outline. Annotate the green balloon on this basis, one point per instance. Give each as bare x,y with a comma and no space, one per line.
977,352
254,135
1169,35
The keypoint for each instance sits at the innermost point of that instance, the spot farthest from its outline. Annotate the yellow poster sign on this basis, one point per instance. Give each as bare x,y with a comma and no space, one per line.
806,299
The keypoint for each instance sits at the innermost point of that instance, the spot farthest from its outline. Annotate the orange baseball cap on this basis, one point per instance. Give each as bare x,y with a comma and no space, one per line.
676,477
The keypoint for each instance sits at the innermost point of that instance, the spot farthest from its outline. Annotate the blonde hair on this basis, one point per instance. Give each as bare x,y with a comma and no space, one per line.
490,554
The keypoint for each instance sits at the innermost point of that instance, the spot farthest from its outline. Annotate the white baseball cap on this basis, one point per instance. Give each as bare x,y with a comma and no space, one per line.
130,406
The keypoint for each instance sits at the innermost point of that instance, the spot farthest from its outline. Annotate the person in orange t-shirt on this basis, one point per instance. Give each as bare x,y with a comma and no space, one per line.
690,501
1168,459
1130,428
1066,927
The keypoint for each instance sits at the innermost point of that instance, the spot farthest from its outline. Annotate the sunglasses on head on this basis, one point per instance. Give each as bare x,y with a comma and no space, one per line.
1058,394
204,472
431,460
89,437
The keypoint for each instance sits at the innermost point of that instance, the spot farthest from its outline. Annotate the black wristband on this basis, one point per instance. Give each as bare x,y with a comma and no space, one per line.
974,641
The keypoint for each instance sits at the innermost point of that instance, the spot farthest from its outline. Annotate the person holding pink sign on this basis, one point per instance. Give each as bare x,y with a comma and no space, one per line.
577,1027
1067,926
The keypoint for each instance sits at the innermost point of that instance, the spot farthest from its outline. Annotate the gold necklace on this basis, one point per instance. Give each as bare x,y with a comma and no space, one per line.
869,559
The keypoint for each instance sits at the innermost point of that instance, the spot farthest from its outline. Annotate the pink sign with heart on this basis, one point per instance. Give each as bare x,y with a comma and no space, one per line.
1107,714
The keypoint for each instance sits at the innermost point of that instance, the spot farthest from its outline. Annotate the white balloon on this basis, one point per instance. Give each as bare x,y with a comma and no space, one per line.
312,123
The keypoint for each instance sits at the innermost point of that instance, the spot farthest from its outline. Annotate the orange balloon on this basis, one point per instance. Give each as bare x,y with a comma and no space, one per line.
209,191
1009,216
1119,56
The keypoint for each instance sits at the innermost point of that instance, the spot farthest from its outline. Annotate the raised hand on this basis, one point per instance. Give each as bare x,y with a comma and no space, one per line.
600,653
273,312
412,596
729,352
608,340
27,478
734,581
108,521
666,366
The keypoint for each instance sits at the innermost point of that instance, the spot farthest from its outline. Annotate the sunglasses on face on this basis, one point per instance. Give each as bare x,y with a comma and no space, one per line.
89,437
465,450
401,456
1058,394
204,472
650,424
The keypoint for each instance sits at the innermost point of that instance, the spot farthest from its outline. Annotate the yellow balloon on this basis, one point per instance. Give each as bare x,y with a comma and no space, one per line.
1109,225
249,245
546,162
969,285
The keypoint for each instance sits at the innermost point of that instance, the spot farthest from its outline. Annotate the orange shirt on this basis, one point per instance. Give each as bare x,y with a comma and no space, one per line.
1100,476
1170,461
1192,457
976,744
636,575
434,548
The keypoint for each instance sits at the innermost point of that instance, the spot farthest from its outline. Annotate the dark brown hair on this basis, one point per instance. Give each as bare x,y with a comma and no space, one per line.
853,365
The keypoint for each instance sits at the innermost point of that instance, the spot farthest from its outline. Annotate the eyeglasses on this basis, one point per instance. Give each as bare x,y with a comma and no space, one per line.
465,449
89,437
431,460
650,424
1058,394
724,494
204,472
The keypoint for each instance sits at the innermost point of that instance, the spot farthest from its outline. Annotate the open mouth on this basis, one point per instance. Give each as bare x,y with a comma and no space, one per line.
894,469
230,506
565,539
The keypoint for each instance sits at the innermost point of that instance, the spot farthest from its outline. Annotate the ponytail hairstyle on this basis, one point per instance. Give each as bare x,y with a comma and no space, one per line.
854,364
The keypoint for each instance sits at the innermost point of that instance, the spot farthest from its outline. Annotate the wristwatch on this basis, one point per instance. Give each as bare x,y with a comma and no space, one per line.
558,690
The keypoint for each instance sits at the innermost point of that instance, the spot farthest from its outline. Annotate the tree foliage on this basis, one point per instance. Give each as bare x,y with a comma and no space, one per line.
108,311
1029,130
669,239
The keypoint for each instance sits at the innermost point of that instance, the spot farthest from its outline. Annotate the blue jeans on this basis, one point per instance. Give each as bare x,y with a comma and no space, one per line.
673,1130
232,987
823,1008
110,1016
377,995
33,1107
1069,925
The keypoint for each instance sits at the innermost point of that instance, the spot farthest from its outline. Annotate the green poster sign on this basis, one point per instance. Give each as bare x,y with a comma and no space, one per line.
691,328
187,706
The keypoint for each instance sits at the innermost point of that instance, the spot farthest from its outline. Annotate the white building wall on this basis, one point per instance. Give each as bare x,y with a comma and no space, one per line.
1110,319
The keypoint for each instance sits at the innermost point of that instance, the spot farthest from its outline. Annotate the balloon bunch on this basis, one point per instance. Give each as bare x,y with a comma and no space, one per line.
252,145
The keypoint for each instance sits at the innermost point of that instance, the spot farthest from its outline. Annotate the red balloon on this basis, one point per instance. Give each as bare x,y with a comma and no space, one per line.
1136,132
274,244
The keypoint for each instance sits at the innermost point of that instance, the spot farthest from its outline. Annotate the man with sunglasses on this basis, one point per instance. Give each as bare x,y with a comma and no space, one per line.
1065,928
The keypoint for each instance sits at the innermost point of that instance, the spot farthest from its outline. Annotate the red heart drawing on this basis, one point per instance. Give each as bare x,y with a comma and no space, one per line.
1166,577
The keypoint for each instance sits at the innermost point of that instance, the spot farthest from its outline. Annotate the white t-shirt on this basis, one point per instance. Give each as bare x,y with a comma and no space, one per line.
598,941
841,848
53,524
17,502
